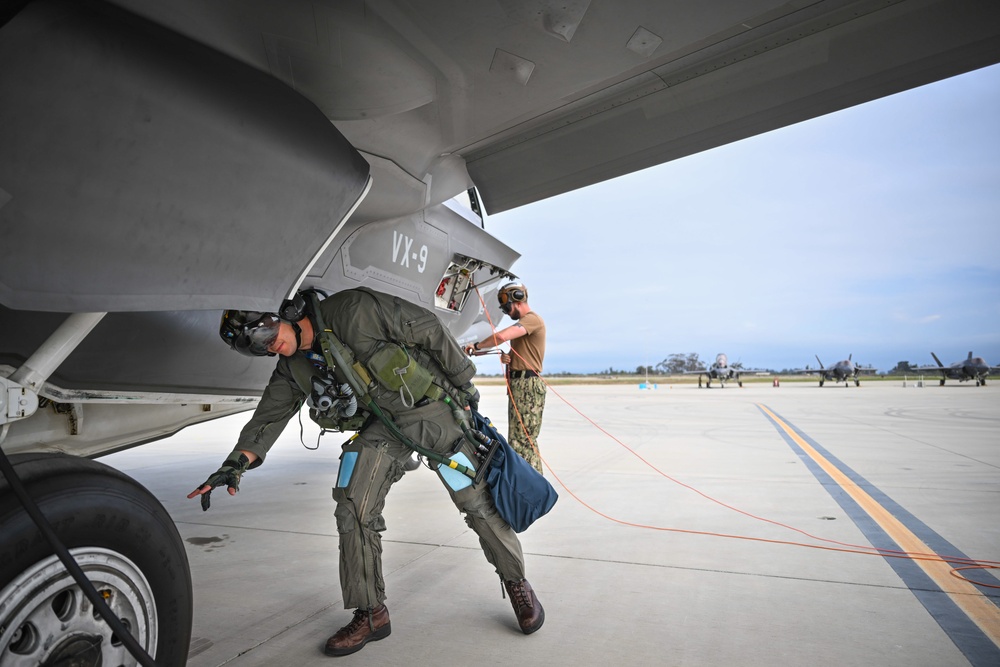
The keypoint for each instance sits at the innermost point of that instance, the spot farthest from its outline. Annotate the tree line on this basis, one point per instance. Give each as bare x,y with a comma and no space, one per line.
678,363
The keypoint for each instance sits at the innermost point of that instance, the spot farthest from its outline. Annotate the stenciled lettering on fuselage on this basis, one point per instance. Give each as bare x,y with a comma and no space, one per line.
408,254
402,252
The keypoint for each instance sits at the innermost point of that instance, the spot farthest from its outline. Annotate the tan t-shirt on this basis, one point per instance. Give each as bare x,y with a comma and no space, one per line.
529,351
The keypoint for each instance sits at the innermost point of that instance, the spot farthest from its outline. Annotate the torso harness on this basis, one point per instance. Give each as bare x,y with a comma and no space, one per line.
396,370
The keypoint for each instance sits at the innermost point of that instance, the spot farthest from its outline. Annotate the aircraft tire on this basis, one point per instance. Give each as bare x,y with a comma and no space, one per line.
125,542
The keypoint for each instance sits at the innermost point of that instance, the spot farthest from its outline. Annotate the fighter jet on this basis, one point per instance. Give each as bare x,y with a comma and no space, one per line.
720,370
164,161
971,368
842,371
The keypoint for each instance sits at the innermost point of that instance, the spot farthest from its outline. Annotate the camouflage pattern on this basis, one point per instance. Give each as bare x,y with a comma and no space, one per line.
527,399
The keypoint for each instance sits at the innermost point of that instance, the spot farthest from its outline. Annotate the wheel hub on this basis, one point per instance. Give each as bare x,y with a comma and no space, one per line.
77,652
45,619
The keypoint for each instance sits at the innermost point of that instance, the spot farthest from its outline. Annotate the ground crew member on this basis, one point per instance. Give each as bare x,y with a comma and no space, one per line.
526,397
369,324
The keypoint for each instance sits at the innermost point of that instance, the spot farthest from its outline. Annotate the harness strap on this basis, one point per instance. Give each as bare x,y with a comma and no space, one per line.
337,355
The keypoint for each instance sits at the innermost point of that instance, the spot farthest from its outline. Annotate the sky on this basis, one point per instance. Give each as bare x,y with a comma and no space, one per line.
872,232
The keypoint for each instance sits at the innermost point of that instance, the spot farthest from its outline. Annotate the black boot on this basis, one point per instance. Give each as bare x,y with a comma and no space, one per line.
530,614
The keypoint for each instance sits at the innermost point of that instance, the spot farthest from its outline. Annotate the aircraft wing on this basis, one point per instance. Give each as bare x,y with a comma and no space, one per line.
525,100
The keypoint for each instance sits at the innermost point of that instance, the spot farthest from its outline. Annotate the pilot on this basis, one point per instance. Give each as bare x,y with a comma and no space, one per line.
368,324
526,396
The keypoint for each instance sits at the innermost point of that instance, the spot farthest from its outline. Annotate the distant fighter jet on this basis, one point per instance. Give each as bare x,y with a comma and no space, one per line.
842,371
721,371
972,368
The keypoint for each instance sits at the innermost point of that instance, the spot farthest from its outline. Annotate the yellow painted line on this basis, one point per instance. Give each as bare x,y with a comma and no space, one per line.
969,599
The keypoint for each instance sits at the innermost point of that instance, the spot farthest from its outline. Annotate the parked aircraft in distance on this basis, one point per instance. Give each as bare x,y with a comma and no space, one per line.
164,161
720,370
971,368
842,371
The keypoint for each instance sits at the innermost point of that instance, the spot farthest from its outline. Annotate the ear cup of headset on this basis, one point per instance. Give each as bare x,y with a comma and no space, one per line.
294,309
514,292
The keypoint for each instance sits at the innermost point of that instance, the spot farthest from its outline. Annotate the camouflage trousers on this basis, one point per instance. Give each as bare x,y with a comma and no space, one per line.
525,404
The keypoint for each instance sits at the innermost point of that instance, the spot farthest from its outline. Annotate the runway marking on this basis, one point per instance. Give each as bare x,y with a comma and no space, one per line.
979,609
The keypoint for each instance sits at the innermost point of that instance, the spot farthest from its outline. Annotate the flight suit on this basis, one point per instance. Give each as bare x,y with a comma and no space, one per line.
372,461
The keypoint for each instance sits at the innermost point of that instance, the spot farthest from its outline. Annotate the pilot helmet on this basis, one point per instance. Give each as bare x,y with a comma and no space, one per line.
510,294
249,332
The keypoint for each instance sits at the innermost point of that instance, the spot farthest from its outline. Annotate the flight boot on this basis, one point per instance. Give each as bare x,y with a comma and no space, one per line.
528,609
362,629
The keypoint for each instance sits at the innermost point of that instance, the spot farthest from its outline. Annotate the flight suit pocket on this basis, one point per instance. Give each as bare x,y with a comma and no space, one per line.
417,328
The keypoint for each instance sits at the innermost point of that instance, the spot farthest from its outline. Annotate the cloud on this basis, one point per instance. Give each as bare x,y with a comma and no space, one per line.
872,231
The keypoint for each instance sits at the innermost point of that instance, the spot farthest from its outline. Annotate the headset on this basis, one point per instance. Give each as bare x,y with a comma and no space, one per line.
295,309
512,292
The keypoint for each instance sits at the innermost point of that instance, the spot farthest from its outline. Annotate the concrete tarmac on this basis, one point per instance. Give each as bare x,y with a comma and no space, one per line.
677,538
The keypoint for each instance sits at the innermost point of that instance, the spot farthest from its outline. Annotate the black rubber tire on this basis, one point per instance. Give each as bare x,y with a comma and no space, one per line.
89,504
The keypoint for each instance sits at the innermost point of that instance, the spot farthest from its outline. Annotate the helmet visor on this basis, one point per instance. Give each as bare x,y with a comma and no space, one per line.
259,335
250,333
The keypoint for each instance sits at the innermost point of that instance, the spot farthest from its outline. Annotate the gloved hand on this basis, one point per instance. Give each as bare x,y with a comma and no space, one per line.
229,473
470,394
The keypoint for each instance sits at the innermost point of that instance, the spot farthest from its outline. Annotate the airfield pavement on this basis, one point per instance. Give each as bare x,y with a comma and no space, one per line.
630,565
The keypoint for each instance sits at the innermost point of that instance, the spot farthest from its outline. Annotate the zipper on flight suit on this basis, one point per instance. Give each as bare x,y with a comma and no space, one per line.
361,511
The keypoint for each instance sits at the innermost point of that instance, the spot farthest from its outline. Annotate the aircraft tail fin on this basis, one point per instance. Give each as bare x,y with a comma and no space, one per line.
937,360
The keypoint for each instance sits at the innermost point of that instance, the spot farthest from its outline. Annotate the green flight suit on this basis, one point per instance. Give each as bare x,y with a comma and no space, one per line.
365,321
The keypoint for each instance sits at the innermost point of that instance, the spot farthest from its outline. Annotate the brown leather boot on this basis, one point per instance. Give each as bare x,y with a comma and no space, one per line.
530,614
353,636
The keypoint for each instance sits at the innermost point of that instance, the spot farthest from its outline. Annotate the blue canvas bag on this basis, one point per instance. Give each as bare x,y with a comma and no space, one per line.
520,493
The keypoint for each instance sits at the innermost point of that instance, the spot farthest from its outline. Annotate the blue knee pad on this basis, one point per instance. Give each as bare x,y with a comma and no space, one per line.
455,480
347,462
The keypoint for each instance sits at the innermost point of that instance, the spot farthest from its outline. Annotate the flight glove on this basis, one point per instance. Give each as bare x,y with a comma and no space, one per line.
229,473
470,394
